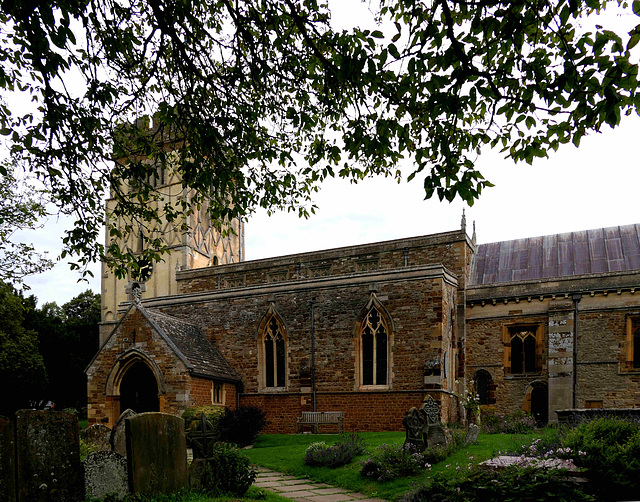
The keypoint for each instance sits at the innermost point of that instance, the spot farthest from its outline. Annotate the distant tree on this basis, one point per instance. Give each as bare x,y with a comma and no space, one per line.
265,99
21,207
68,338
22,370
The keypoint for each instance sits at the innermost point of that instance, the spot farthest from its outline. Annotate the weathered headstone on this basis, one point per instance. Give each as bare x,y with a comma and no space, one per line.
436,435
201,436
117,438
472,434
423,427
98,435
48,457
435,431
105,473
416,426
156,453
7,461
199,475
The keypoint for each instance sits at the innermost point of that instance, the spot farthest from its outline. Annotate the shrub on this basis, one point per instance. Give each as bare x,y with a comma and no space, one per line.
523,484
354,441
511,423
435,454
242,425
212,412
393,461
341,453
87,448
609,449
227,470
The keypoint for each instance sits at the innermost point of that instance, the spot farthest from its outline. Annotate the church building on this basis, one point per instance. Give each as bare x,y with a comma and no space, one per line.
539,325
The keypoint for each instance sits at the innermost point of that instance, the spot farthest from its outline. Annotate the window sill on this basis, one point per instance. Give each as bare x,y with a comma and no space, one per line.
522,376
365,388
272,390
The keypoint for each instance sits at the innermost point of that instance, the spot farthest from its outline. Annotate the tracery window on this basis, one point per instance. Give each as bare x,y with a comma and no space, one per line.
375,353
631,360
274,351
523,350
636,344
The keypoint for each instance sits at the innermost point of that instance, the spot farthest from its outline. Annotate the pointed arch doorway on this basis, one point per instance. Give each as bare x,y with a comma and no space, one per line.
139,389
540,404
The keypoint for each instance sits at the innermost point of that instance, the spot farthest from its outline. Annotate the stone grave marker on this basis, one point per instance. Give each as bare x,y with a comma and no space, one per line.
201,436
48,457
7,461
105,473
156,453
98,435
435,431
117,438
423,427
416,426
472,434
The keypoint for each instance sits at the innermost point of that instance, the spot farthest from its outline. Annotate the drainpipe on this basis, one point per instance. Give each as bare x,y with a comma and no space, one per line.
576,299
313,354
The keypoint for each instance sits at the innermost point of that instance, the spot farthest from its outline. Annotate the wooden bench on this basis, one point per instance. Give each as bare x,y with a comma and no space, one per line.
318,418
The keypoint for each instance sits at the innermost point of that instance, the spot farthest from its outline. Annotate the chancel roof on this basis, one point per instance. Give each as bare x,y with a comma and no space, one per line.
602,250
189,343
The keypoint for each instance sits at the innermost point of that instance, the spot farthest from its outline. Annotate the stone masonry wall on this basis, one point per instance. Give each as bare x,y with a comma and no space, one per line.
103,395
451,249
371,411
602,376
415,310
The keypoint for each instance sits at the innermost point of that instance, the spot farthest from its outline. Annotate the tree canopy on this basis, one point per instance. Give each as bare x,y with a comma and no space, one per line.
68,339
22,370
264,99
21,206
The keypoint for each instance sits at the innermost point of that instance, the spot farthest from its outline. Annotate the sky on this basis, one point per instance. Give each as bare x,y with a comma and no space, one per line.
593,186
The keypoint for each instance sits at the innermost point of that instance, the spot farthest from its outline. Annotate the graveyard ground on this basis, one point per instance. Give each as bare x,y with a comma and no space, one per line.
285,453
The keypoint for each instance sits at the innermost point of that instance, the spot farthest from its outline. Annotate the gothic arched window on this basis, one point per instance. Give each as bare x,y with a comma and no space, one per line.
523,351
375,352
275,355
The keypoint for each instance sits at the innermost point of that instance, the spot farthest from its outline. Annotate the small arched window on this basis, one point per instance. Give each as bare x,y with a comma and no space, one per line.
274,354
375,352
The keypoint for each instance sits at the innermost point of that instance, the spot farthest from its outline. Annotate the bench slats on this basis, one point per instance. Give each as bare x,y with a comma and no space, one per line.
321,417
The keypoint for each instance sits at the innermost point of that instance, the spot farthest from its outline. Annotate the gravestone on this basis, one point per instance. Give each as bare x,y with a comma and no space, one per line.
416,428
435,431
472,434
7,461
201,436
156,453
117,439
423,427
105,473
98,435
48,457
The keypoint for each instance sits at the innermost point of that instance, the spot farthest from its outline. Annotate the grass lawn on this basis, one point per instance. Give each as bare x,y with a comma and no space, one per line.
285,453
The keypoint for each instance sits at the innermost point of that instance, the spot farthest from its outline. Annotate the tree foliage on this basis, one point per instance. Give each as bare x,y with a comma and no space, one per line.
68,340
22,371
21,206
264,99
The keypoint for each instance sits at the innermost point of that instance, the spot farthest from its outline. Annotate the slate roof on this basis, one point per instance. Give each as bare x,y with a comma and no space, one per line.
192,347
602,250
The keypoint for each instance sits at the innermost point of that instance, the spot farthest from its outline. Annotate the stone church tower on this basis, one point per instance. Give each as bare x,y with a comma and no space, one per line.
200,246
